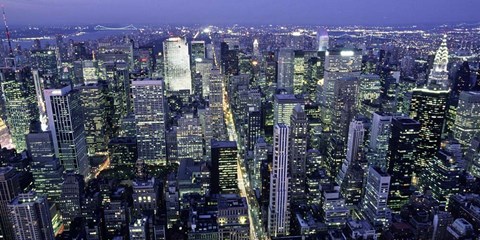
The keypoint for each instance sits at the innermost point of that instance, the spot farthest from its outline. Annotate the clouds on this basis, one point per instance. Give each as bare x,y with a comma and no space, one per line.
374,12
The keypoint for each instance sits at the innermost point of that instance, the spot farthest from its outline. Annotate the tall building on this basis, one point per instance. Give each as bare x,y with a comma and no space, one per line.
20,103
343,106
339,63
66,122
260,155
322,39
438,78
428,107
442,175
467,120
71,199
94,104
299,72
374,202
46,168
356,136
177,65
254,127
197,50
334,210
279,203
285,60
10,188
189,138
149,109
379,139
401,159
224,167
30,217
283,107
298,155
216,104
256,49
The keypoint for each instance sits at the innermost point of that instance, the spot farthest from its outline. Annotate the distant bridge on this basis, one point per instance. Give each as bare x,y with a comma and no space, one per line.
126,28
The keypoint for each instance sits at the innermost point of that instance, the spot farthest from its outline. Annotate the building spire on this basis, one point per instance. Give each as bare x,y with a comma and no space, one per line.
438,79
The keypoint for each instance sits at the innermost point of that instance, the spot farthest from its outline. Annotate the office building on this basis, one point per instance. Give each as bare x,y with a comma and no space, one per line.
322,39
21,110
467,119
10,188
189,138
298,155
374,202
285,73
283,107
66,122
216,100
46,168
30,217
71,198
279,201
94,104
149,109
339,63
402,155
223,167
177,65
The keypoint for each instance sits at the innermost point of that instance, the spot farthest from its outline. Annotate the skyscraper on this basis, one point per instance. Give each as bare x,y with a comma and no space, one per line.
189,138
322,39
149,110
356,134
283,107
46,168
401,159
339,63
10,188
20,103
216,104
66,122
224,167
379,139
467,120
30,217
94,104
177,65
71,199
197,50
429,107
285,69
298,155
279,203
254,127
374,203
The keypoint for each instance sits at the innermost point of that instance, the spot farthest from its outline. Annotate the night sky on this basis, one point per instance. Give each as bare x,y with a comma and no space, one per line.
318,12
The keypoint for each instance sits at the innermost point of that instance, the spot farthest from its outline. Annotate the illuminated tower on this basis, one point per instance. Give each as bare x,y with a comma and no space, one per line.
256,50
285,69
298,154
438,78
322,39
339,63
402,156
149,110
279,204
21,110
177,65
467,120
66,122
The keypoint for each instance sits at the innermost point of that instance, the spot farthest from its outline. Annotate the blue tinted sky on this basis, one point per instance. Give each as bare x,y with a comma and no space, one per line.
328,12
